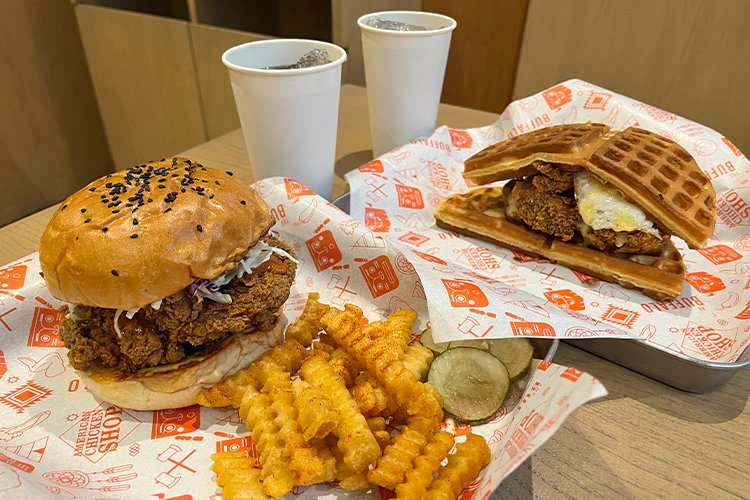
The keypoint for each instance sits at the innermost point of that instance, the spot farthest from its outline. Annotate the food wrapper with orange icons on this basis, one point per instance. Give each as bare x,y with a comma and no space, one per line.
477,289
59,441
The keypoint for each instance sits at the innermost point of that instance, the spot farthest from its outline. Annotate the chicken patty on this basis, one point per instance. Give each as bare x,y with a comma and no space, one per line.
545,202
183,325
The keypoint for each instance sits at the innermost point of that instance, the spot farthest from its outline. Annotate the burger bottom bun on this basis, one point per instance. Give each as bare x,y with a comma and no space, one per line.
176,386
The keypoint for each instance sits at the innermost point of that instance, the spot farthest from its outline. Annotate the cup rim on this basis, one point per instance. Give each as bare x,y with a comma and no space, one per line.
439,31
285,72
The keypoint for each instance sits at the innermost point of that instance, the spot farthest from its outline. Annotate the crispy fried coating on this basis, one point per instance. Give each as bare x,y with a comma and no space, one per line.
637,242
549,213
553,178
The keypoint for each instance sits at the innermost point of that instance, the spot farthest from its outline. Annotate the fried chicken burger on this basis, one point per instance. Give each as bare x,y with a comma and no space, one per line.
603,202
172,281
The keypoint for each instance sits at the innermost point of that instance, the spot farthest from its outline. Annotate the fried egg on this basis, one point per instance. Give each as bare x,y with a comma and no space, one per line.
602,207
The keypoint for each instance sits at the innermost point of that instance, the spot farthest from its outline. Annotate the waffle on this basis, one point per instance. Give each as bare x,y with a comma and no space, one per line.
653,172
481,213
566,144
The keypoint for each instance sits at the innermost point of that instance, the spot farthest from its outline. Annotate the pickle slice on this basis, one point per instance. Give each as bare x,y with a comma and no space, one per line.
426,340
516,355
472,382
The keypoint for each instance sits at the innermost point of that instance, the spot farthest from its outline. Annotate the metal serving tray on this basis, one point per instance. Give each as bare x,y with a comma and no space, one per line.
543,348
672,368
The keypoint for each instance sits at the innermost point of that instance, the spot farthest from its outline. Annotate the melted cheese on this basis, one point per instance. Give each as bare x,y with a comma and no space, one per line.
603,208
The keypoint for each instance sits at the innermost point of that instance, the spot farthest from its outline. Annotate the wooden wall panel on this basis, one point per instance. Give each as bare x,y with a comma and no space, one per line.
209,44
688,57
144,76
484,51
51,136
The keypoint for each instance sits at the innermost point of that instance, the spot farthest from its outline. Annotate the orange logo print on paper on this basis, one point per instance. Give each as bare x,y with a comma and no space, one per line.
732,147
557,97
705,282
460,138
175,422
567,299
465,294
743,314
720,254
374,166
25,396
295,189
45,328
12,278
3,364
572,374
323,250
430,258
379,275
409,197
620,316
377,220
413,238
596,100
531,329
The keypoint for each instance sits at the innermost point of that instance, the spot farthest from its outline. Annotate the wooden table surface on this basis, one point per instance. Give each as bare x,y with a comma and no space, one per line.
645,440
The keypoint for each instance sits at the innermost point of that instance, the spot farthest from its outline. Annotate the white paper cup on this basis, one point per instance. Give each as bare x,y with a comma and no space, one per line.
288,116
404,72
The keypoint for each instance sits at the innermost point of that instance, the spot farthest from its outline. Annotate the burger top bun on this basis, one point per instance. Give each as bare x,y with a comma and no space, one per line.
177,385
139,235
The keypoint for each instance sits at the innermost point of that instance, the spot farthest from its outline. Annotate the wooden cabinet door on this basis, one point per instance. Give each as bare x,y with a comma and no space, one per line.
144,78
209,43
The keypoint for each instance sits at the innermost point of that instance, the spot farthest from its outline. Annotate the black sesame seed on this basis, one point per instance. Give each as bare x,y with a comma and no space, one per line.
162,186
105,229
115,272
199,228
108,185
150,200
218,183
243,202
211,196
182,190
87,221
230,173
83,210
170,197
64,207
92,189
133,236
135,222
117,211
168,210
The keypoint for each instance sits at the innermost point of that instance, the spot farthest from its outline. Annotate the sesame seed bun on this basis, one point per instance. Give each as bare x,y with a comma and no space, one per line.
138,235
176,385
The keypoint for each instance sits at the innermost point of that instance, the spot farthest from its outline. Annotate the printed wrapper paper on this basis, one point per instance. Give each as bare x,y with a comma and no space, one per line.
476,289
58,441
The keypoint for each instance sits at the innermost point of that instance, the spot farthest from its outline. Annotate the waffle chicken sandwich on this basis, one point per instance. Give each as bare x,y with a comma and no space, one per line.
172,279
598,201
